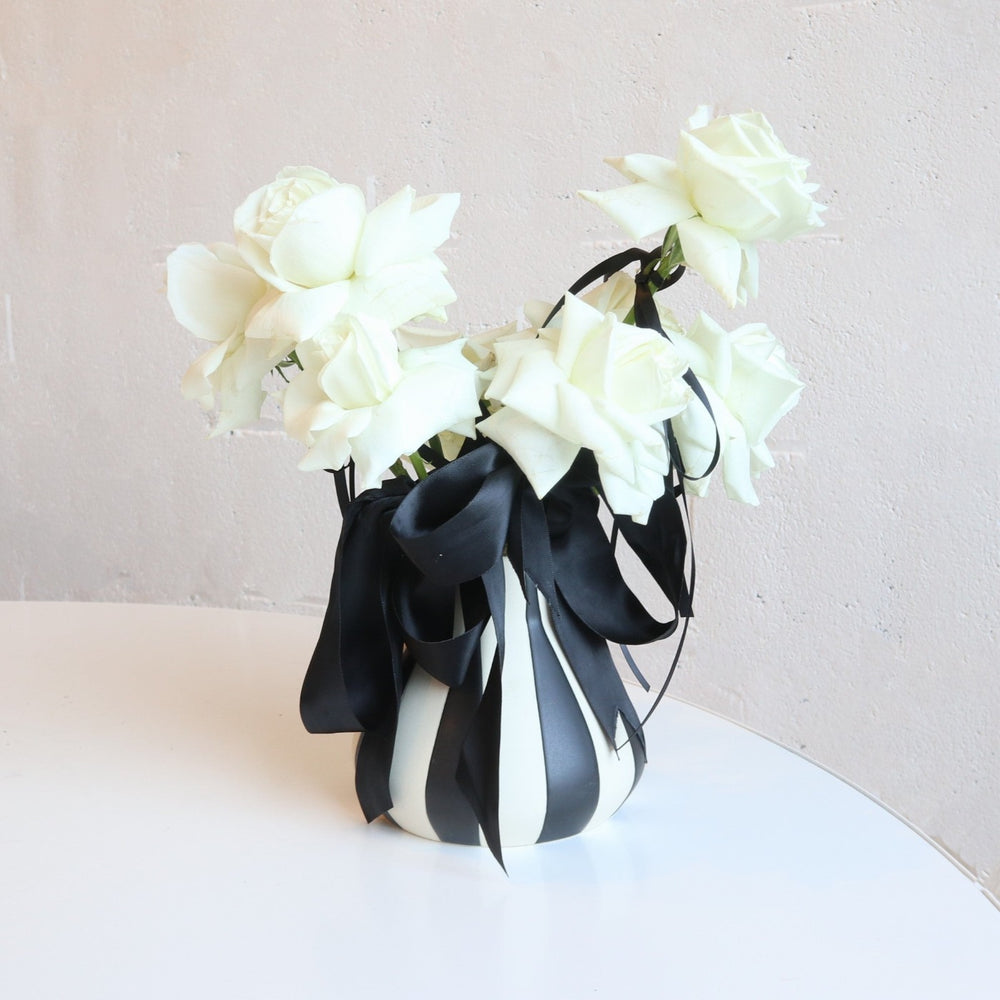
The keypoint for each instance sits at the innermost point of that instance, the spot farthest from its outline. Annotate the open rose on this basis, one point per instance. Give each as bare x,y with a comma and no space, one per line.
359,396
733,185
750,387
310,237
593,383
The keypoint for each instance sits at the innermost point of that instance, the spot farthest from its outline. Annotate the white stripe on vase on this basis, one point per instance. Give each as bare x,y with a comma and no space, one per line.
416,732
523,791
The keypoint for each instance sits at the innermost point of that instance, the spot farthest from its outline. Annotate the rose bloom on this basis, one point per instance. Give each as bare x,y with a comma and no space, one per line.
749,385
359,396
595,383
733,185
312,238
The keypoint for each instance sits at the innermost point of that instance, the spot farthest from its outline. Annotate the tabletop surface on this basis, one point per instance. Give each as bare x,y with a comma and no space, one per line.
167,829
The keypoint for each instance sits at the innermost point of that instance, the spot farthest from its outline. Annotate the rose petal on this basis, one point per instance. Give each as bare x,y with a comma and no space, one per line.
404,229
332,447
542,456
318,243
291,317
722,194
761,393
716,255
402,293
196,383
645,167
695,431
642,209
364,368
626,499
211,290
431,397
736,469
238,383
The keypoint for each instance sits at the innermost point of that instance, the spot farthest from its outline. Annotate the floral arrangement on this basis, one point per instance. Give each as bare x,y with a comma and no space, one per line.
325,293
453,454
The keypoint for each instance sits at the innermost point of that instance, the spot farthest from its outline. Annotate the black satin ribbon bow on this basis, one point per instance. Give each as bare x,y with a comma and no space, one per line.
408,552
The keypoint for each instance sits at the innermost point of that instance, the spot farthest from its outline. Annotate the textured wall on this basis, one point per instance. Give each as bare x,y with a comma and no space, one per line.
852,616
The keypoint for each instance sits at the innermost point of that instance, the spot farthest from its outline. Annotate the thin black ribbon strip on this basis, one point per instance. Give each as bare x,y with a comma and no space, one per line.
587,651
572,778
603,271
646,315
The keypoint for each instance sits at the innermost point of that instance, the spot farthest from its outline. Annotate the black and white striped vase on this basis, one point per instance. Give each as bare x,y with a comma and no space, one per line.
559,774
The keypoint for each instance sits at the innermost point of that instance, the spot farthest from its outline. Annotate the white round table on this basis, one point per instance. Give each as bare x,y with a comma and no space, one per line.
168,830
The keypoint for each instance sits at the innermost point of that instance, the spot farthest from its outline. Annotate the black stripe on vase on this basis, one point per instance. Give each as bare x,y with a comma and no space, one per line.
572,777
449,812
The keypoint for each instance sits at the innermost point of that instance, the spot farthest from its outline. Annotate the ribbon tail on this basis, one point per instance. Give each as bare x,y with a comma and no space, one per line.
372,765
572,775
354,676
325,704
478,773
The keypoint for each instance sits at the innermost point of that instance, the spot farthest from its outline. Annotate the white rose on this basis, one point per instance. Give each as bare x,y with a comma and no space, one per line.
302,230
212,292
742,180
733,184
311,238
750,386
360,397
594,383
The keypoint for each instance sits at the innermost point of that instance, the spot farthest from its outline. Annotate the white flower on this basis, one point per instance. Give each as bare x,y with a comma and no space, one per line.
212,292
750,387
594,383
302,230
742,180
312,238
733,185
360,397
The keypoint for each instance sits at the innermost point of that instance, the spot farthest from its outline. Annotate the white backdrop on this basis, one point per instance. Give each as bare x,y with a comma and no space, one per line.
852,616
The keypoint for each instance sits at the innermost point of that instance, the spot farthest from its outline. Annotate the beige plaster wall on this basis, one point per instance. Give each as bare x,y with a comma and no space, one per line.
852,616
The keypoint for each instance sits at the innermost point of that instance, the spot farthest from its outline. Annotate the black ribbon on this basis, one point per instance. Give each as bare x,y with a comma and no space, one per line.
410,553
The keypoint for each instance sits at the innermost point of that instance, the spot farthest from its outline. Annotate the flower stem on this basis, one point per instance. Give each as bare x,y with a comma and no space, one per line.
291,361
671,257
418,466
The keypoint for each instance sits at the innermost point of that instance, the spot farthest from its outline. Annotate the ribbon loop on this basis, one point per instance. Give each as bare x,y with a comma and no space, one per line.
453,525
